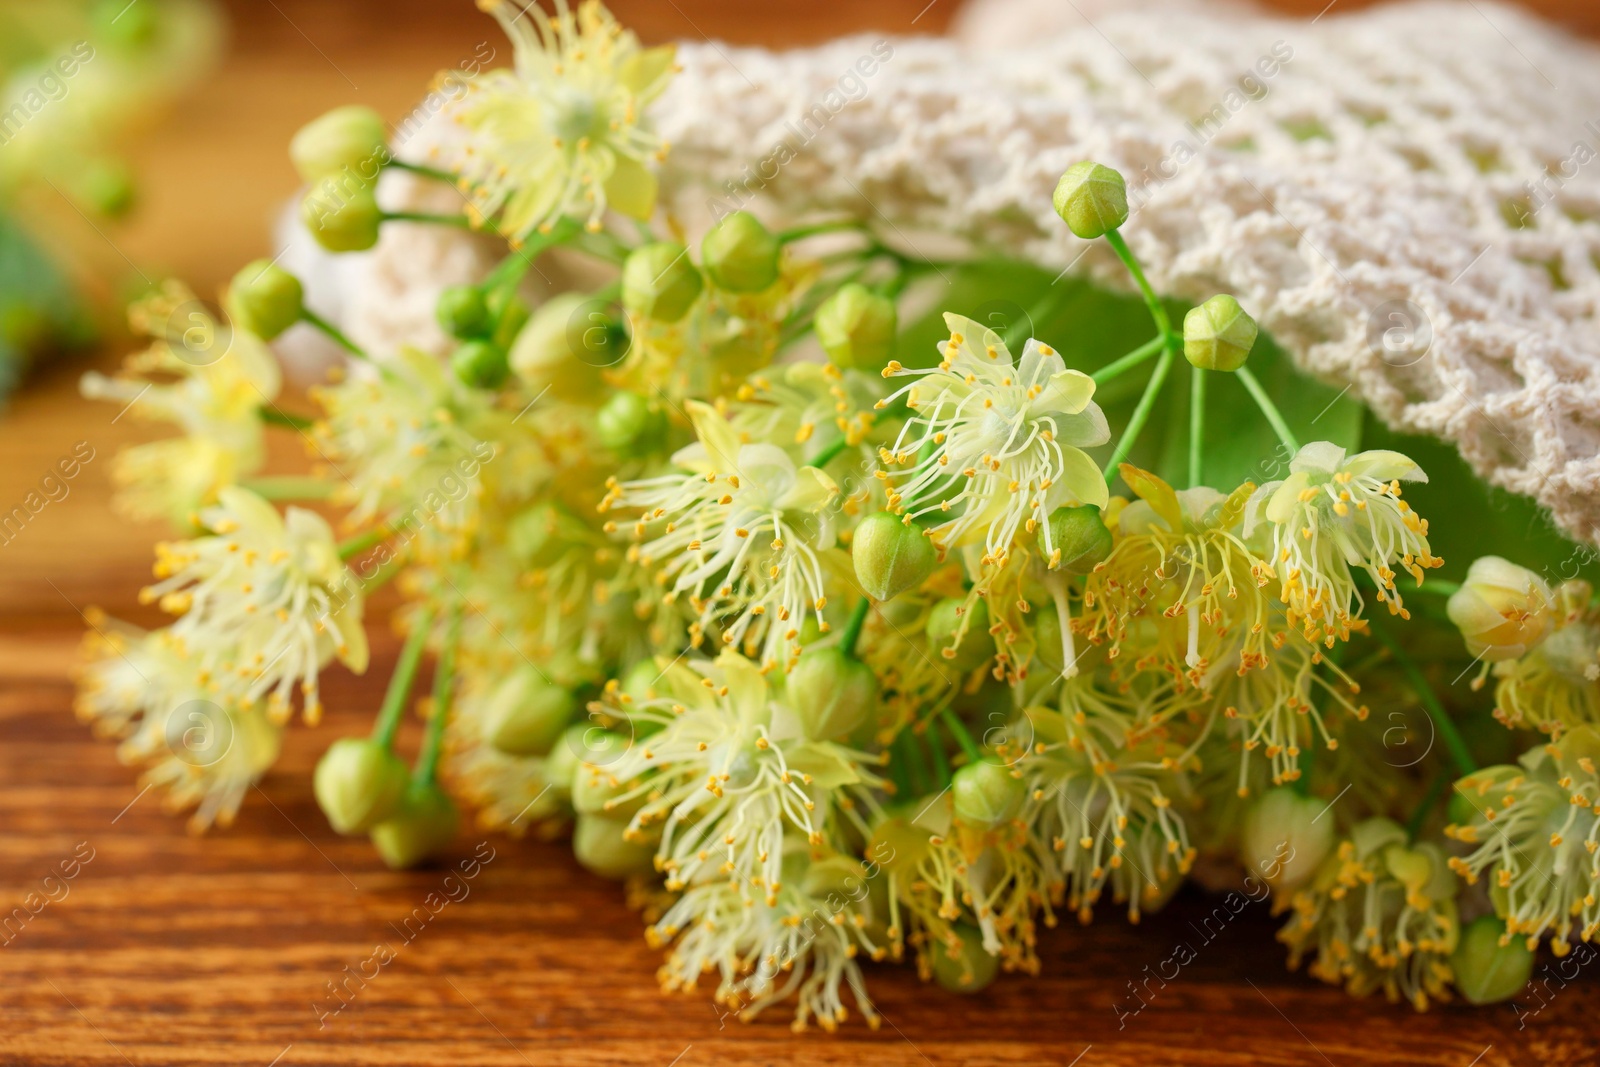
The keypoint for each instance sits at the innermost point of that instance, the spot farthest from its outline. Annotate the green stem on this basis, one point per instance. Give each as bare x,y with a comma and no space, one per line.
361,542
852,628
1454,743
460,222
312,318
1306,762
1141,413
1441,586
826,456
1157,312
916,765
1418,817
273,417
800,233
1117,367
424,171
601,245
1268,408
958,730
288,487
1197,422
443,687
941,762
405,672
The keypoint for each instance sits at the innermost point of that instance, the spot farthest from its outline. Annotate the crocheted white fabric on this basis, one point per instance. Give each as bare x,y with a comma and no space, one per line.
1406,198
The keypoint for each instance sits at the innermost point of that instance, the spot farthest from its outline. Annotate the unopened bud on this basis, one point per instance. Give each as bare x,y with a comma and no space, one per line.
358,783
540,534
105,186
740,254
342,221
1286,837
422,828
463,312
965,967
1489,965
1075,539
1218,335
1091,199
946,620
832,693
564,345
1502,610
986,794
599,844
631,425
595,791
890,557
659,282
351,136
480,364
856,327
526,713
265,299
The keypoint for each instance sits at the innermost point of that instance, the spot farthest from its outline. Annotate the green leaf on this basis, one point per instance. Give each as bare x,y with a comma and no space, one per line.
39,310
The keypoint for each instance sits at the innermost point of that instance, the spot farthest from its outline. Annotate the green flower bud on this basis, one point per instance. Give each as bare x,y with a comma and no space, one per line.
480,364
105,186
351,136
631,425
1502,610
740,254
346,221
857,327
659,282
1075,539
463,312
1218,335
986,794
565,345
265,299
890,557
1091,199
599,845
423,827
1489,965
967,969
561,766
526,713
593,790
1286,838
358,783
832,694
943,623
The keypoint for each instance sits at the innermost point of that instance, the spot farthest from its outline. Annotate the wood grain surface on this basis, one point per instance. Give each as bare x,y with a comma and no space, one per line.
171,949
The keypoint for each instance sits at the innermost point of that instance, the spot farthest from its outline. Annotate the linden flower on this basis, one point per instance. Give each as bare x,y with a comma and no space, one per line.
265,602
1096,818
726,777
995,445
1378,915
1334,513
943,871
1502,610
1535,827
143,687
405,436
207,379
805,945
1181,563
744,534
563,133
1555,685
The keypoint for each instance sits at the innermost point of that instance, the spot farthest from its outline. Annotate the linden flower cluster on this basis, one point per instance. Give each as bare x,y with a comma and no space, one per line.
839,648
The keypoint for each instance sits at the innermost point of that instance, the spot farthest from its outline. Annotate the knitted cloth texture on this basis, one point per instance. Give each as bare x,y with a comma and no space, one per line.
1406,198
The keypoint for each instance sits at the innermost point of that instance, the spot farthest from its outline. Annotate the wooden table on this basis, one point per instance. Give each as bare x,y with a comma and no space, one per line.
172,949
